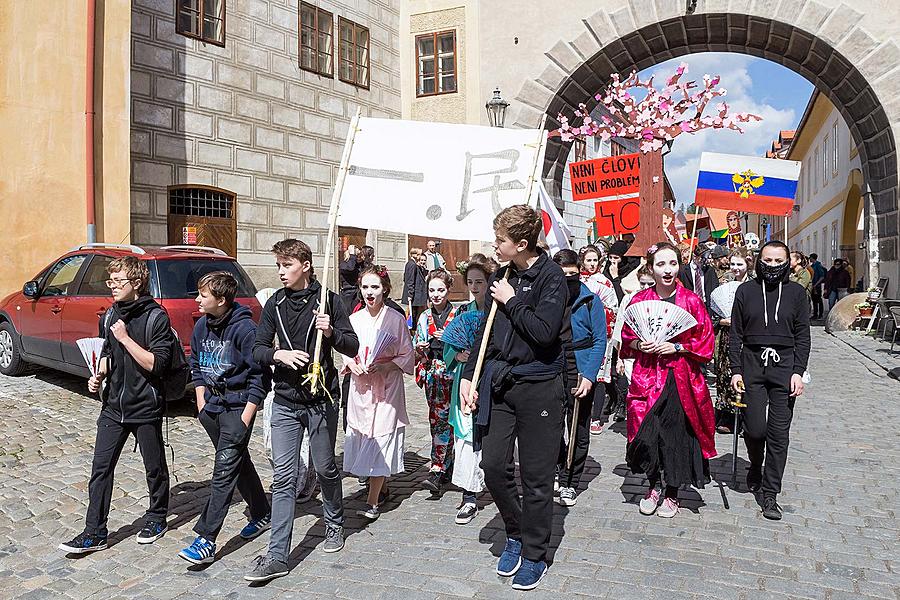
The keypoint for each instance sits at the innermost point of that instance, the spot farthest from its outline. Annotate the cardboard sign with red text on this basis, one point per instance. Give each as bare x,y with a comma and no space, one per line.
615,217
605,177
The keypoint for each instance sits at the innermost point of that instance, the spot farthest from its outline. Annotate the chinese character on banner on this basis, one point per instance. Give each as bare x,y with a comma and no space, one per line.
189,235
615,217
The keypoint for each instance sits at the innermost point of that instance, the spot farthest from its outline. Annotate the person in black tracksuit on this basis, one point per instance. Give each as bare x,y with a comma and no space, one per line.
134,356
522,390
229,386
294,315
769,350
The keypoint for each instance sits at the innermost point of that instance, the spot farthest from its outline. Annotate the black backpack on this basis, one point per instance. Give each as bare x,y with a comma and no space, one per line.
174,378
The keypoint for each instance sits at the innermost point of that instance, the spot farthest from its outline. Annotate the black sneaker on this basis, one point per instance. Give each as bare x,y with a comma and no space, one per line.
83,543
466,513
151,532
434,482
754,478
771,510
266,569
334,539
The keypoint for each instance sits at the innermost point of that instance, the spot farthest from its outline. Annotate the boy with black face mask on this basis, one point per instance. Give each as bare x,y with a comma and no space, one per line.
769,350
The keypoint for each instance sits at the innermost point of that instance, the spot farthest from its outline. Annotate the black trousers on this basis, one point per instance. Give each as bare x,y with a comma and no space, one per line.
818,306
111,439
530,412
233,469
582,439
768,390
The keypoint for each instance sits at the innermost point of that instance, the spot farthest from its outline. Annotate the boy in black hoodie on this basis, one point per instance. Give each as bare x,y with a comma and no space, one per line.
522,390
137,352
230,386
293,315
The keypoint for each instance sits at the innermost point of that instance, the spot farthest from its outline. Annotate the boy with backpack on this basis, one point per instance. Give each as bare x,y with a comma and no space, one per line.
138,357
230,387
589,344
295,316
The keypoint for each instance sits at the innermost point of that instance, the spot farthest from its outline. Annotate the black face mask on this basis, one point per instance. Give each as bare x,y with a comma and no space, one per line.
574,283
772,273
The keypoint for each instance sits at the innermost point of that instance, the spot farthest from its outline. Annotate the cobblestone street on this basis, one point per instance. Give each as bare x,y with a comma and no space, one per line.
839,537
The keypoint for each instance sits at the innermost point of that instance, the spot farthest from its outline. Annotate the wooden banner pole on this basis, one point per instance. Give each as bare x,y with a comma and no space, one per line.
316,369
489,324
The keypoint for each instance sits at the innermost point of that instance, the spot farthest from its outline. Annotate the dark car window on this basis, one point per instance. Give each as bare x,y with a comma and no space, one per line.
178,277
94,281
62,275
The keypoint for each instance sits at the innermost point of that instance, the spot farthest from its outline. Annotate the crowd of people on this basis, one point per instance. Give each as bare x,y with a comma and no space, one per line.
561,357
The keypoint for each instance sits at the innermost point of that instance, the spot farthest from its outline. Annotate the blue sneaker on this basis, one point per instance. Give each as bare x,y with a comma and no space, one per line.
151,532
529,575
511,559
256,527
84,543
201,552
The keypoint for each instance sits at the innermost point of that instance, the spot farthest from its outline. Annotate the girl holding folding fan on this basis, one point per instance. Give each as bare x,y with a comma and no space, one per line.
459,337
671,425
376,403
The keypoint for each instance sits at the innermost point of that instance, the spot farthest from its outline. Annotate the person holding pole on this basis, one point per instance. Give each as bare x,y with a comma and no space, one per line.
295,314
769,350
589,343
521,392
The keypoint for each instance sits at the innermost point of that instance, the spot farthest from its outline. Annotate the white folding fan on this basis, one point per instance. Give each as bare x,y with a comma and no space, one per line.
722,298
608,296
90,350
656,321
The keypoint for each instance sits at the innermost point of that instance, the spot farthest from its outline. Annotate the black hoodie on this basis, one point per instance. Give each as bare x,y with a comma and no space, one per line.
133,394
222,361
289,315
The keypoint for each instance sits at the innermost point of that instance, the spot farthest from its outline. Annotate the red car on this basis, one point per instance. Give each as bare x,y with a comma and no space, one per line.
65,301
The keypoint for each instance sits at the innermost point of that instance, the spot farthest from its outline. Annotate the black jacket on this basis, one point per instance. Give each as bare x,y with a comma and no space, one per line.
289,315
749,326
222,362
133,394
535,324
710,281
415,290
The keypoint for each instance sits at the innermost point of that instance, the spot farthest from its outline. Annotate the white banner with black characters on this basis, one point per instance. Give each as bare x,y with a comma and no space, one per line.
437,179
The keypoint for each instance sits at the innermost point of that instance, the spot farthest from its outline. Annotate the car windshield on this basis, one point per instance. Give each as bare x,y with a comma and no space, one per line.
178,277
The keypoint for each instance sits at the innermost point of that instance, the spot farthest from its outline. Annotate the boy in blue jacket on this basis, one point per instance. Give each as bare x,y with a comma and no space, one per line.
230,387
589,343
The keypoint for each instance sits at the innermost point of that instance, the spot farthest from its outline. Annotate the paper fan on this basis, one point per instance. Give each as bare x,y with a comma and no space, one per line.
90,350
384,340
656,321
722,298
460,332
608,296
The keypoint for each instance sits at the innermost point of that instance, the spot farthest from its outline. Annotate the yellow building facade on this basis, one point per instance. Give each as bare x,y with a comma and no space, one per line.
43,157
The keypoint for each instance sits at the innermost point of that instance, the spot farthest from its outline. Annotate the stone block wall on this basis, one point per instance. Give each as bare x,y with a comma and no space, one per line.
246,118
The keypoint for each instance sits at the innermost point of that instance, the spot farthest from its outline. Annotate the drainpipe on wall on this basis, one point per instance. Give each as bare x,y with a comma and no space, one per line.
89,125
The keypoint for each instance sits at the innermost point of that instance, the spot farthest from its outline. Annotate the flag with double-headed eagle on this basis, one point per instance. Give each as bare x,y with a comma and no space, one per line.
766,186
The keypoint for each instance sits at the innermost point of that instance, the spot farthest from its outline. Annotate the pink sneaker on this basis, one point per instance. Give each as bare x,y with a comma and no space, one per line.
596,427
668,509
650,502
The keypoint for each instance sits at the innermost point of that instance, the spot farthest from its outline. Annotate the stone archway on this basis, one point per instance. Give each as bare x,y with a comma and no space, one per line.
825,45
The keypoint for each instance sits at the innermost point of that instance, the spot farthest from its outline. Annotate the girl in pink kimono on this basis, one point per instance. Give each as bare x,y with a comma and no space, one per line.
671,422
376,405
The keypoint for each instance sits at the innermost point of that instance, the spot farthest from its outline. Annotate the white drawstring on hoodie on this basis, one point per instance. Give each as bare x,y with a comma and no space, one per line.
770,353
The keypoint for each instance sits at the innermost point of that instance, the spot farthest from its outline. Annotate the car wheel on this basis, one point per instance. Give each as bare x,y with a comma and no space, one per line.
11,362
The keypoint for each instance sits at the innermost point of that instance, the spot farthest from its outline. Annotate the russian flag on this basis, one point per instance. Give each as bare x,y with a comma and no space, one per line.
766,186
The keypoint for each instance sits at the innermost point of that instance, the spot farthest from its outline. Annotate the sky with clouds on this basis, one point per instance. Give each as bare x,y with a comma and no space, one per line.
754,85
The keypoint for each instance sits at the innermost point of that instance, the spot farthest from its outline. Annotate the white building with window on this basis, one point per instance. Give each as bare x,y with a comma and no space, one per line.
239,112
831,217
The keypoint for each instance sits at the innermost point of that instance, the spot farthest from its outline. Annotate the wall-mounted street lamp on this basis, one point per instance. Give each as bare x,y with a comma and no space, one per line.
496,109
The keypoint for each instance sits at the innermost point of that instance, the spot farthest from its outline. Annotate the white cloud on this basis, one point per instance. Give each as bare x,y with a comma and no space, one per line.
683,161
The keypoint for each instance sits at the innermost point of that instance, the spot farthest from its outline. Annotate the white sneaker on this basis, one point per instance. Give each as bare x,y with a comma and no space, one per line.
650,502
556,484
668,509
567,496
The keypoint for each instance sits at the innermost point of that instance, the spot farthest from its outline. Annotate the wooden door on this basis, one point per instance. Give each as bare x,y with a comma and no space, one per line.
348,236
453,252
203,231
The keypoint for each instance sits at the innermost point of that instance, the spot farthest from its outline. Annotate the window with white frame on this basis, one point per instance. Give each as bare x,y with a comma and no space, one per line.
835,149
825,156
815,169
